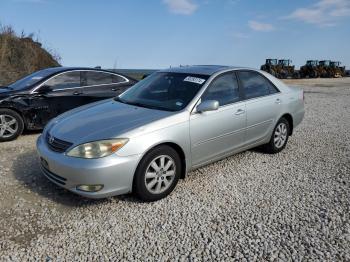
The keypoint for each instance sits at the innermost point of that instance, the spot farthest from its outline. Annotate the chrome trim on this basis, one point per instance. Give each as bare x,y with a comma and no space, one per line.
78,87
79,70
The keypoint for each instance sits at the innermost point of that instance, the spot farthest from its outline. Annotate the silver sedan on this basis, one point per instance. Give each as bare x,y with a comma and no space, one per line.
171,122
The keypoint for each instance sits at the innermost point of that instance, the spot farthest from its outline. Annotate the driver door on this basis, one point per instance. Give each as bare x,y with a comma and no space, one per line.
217,133
60,93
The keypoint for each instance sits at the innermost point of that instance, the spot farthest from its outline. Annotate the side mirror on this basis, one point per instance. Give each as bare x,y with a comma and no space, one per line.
44,89
209,105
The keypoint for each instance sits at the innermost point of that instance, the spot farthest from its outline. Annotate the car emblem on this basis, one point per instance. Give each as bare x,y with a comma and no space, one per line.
51,139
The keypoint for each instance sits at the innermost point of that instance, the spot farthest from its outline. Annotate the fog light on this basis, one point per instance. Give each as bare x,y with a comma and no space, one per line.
90,188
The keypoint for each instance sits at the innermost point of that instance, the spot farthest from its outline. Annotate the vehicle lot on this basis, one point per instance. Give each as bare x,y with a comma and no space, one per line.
252,205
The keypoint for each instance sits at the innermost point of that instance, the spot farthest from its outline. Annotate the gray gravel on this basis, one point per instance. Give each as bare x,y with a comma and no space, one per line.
252,206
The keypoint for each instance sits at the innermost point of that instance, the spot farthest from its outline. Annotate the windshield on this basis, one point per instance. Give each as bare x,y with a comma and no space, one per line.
164,91
272,61
32,79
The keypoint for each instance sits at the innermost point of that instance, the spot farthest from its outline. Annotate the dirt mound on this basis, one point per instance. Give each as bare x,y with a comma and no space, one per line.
21,55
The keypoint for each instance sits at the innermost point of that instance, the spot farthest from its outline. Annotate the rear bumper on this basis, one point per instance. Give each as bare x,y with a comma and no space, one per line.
298,117
115,173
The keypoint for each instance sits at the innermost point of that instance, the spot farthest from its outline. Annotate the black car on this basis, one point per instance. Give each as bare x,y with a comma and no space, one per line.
33,100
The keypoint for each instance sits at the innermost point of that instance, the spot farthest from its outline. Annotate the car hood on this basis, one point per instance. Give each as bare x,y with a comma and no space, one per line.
105,120
4,92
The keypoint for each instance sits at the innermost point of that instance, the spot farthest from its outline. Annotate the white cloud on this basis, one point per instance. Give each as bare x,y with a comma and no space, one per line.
182,7
323,13
262,27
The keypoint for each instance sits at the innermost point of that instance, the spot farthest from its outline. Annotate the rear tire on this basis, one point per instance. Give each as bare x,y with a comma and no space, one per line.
11,125
157,174
279,137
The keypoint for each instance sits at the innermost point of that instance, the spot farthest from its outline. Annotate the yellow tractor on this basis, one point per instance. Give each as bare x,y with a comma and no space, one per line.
336,70
270,66
286,69
282,68
310,69
324,68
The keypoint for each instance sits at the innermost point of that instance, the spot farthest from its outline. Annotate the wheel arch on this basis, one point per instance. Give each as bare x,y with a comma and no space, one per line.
178,150
289,118
17,111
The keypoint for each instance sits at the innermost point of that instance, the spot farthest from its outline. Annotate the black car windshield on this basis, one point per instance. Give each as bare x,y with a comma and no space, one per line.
164,91
32,79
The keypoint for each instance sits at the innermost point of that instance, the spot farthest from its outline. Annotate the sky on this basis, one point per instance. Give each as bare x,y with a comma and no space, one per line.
157,34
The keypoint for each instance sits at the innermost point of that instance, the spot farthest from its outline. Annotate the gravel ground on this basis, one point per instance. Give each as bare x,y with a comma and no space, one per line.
252,206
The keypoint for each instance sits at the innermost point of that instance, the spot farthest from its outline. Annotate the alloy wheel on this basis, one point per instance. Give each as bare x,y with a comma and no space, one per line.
160,174
8,126
280,136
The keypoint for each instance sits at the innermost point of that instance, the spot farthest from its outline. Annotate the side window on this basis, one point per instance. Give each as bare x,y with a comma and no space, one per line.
116,79
98,78
65,80
273,89
224,89
255,85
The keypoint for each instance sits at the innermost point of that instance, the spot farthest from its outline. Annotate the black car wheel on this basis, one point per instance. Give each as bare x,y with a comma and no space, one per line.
157,174
11,125
279,137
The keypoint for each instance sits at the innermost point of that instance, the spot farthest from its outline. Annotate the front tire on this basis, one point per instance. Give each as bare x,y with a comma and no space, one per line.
11,125
157,174
279,137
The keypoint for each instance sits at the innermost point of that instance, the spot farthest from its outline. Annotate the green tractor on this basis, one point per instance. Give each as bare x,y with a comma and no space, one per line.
337,70
270,66
310,69
286,69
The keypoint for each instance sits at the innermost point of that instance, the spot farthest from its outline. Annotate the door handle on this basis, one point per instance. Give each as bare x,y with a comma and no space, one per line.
76,93
278,101
239,112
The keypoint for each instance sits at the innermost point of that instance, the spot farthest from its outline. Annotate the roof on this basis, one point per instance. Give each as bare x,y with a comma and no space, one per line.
58,69
67,68
198,69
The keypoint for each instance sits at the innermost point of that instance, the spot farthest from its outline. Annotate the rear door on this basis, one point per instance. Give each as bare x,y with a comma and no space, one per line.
216,133
263,104
102,85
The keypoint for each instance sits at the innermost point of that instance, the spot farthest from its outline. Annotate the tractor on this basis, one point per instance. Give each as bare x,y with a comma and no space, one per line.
310,69
286,69
324,68
270,66
337,70
279,68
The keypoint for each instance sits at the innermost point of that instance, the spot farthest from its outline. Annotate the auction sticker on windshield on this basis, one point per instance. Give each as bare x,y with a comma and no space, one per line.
194,80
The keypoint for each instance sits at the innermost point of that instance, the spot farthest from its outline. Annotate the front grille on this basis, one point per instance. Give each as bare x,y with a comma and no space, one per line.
56,144
56,178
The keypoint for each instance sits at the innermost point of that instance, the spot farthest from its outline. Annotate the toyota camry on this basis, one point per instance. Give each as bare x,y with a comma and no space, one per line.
173,121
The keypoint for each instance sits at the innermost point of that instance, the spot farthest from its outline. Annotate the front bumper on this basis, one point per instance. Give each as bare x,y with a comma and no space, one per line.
115,173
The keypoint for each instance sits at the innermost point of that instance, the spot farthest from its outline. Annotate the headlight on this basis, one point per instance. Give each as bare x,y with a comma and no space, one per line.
98,149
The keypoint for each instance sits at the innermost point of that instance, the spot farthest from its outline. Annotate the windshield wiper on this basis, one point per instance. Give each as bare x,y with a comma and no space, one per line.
117,98
140,104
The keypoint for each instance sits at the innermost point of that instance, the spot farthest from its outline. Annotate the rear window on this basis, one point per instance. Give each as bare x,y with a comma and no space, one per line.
99,78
